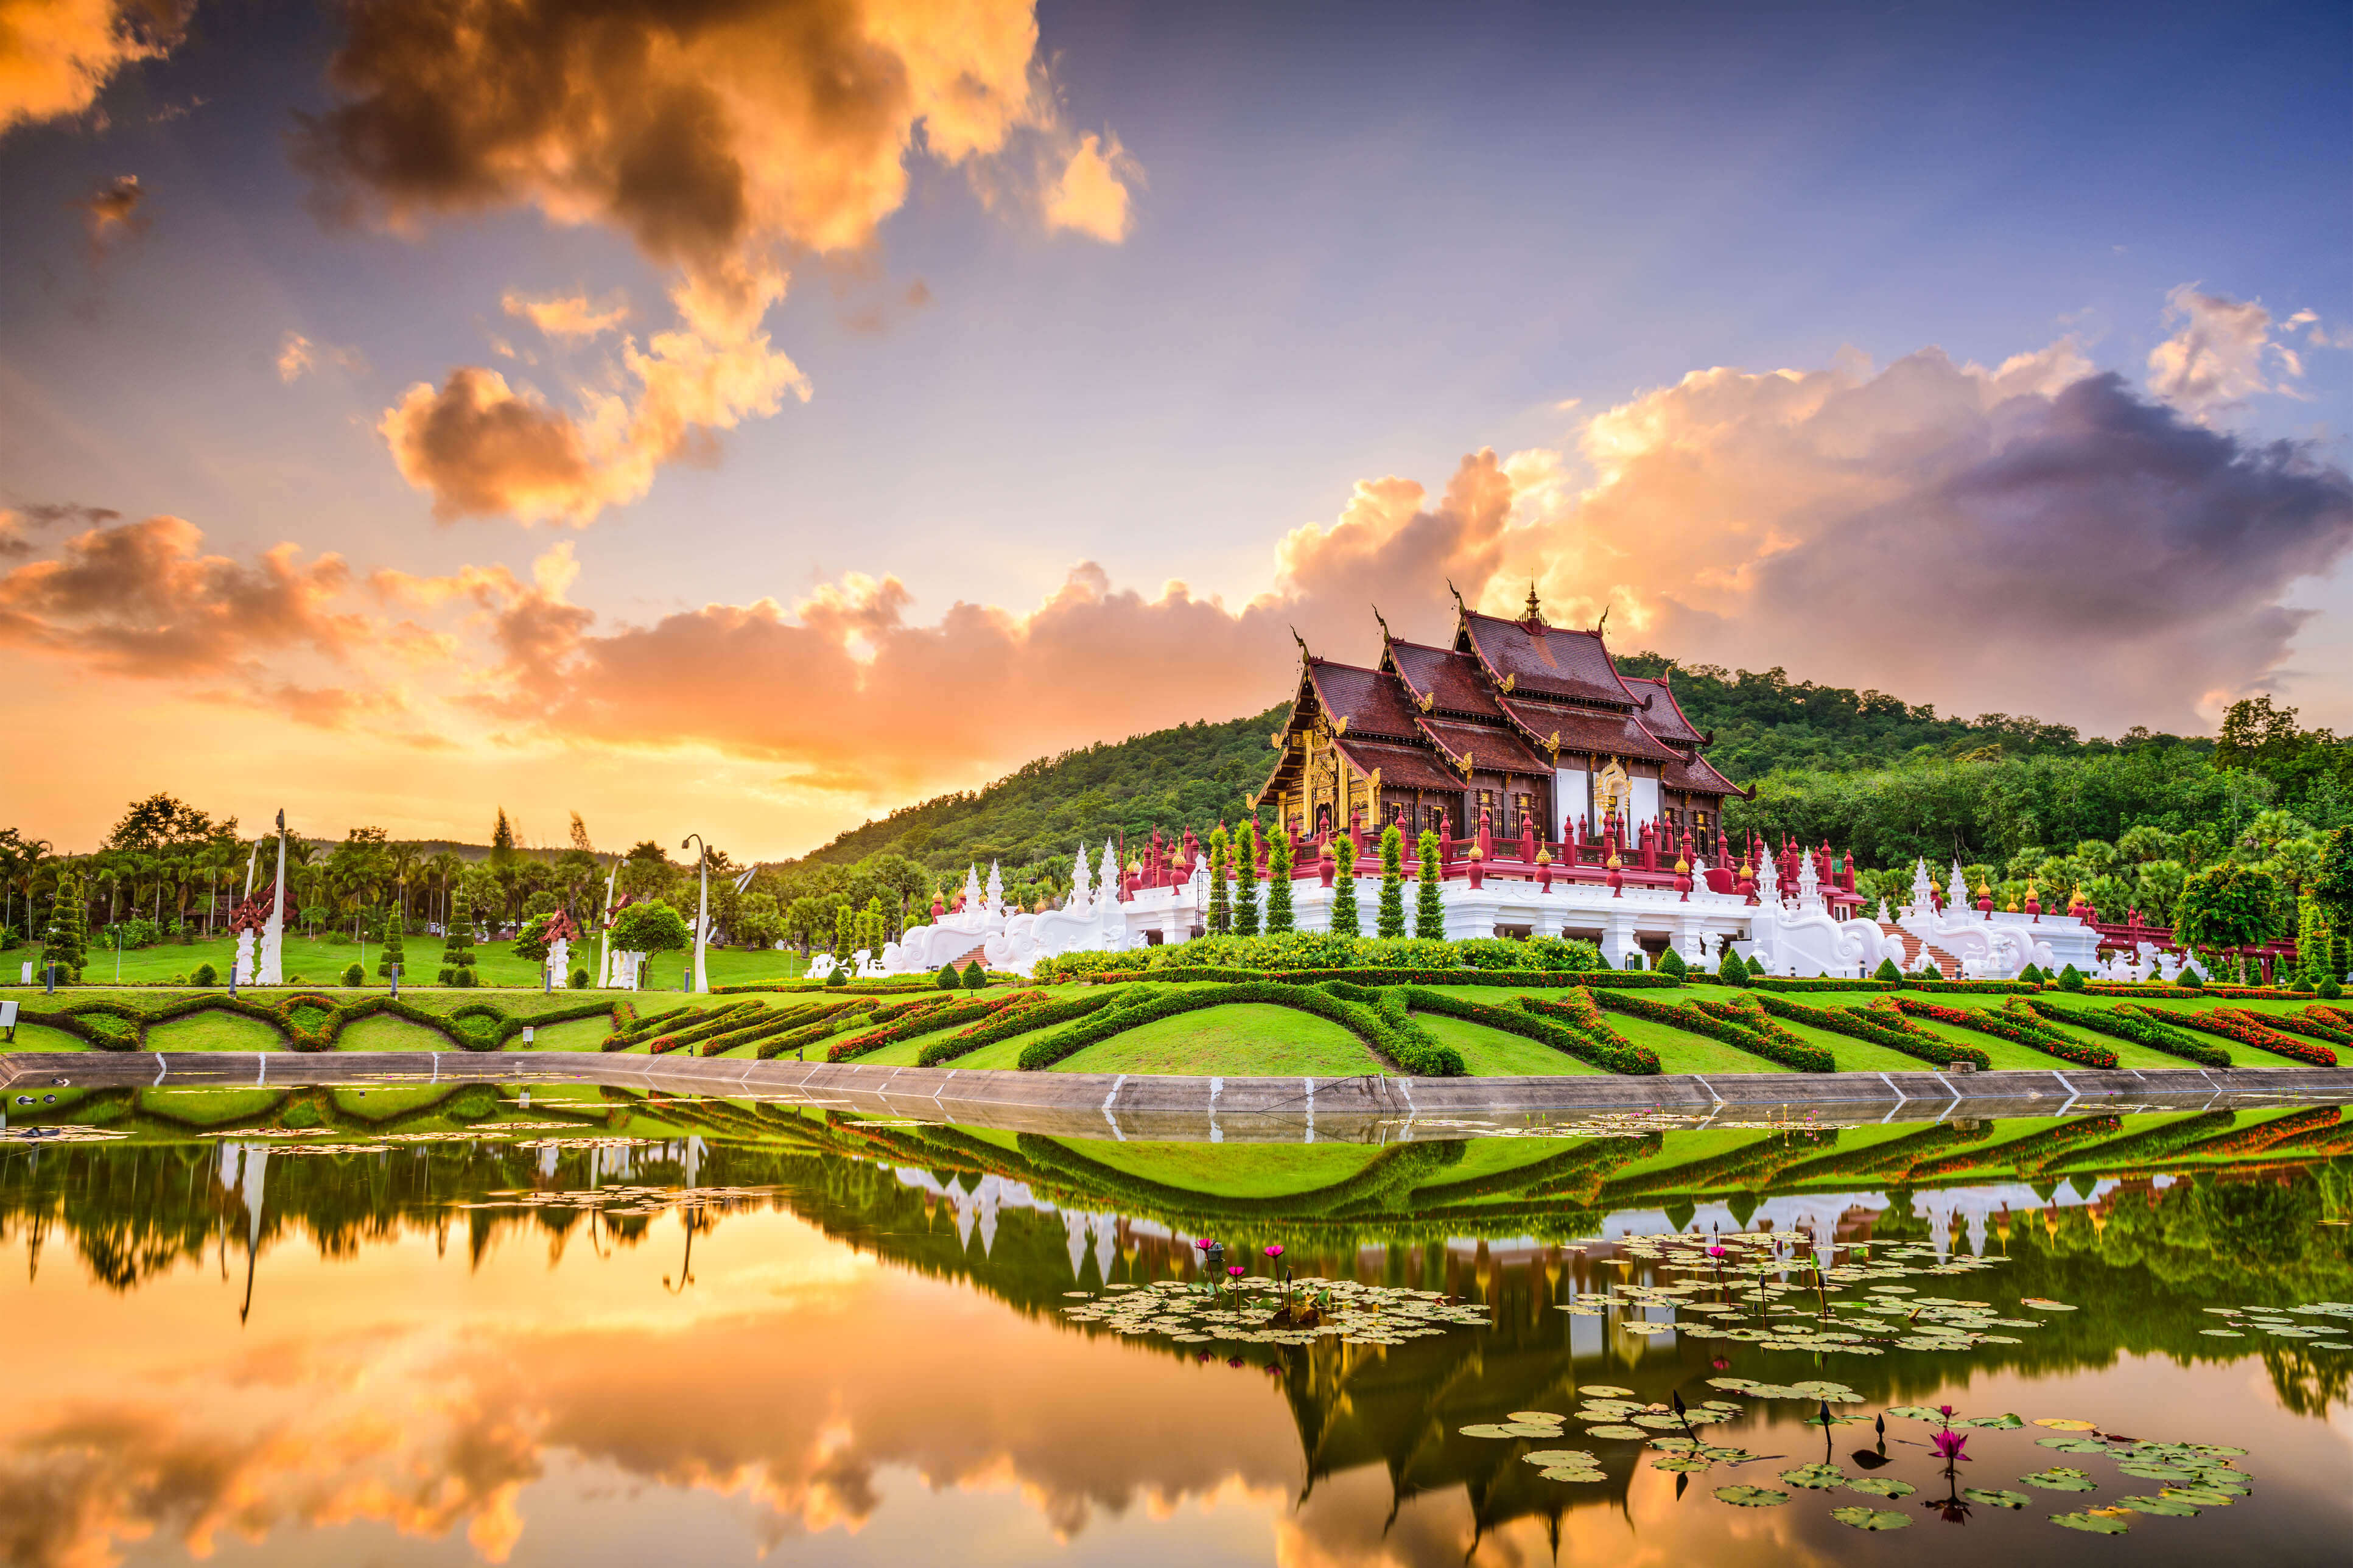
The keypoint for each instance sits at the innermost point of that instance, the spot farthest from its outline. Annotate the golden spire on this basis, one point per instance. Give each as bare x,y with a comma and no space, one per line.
1536,612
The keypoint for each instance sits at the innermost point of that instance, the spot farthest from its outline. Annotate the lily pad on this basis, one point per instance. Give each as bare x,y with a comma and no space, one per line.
1662,1423
2040,1305
2058,1424
1489,1429
1751,1496
1871,1519
2200,1497
2092,1523
1618,1434
1577,1458
2157,1472
1536,1418
1572,1473
1739,1382
2172,1508
2000,1498
1681,1462
2004,1422
2071,1445
2060,1478
1815,1478
1915,1413
1882,1486
1603,1391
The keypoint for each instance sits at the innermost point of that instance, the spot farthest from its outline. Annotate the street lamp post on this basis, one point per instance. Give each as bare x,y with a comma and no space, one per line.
701,905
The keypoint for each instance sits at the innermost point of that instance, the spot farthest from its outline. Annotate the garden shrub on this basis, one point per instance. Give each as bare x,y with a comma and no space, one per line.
1246,883
447,977
1391,921
1722,1022
2070,979
353,974
2018,1029
2232,1024
206,974
1021,1019
1429,907
1893,1030
1346,921
1278,882
2191,979
974,978
393,954
1406,1046
579,980
1671,962
837,976
1732,970
949,980
1887,970
2143,1028
1605,1050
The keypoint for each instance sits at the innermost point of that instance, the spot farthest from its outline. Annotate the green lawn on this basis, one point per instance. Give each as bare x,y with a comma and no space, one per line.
1491,1053
321,962
1682,1052
1246,1039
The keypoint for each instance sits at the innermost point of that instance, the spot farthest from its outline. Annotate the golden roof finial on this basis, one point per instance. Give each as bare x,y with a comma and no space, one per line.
1534,612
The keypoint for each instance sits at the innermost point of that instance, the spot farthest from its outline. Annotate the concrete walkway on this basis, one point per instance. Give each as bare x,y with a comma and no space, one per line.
1240,1109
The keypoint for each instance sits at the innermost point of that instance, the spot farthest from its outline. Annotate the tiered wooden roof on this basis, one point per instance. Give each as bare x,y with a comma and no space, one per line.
1508,697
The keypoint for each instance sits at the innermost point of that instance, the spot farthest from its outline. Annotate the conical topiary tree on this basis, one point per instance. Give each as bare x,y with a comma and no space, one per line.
1221,892
393,952
1246,880
1671,962
1345,922
1732,969
974,976
948,980
1278,881
843,939
457,944
1887,970
1428,910
65,943
1391,925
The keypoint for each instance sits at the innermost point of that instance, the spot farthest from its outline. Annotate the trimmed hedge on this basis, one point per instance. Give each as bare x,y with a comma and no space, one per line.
766,1027
908,1020
2142,1028
1893,1030
2019,1030
2158,1142
1020,1019
1524,979
2263,1134
1585,1017
1894,1154
1709,1019
1824,982
1613,1056
1379,1184
125,1028
2246,1030
2196,993
1765,1159
1589,1163
1398,1040
706,1024
2021,1154
1794,1051
2313,1022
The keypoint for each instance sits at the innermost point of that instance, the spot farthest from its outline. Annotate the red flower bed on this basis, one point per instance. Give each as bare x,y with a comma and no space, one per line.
2005,1026
2244,1027
2263,1134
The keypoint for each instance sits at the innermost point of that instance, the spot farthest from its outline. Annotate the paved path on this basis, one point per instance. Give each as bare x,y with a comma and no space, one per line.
1242,1109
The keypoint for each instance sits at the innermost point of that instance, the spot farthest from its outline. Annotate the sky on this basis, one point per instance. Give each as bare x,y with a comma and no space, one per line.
746,416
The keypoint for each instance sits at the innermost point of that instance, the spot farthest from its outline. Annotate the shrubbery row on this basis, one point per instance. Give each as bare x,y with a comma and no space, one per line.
1021,1019
1895,1031
1708,1019
2022,1154
2019,1030
2141,1029
2155,1143
2243,1028
1406,1046
1611,1053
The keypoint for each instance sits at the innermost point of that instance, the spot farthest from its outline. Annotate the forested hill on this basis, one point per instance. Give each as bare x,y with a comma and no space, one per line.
1194,774
1765,720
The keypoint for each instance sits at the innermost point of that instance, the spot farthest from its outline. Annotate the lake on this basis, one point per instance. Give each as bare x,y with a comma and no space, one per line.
569,1324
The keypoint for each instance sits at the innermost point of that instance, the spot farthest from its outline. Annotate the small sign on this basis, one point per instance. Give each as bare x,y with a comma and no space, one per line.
526,1033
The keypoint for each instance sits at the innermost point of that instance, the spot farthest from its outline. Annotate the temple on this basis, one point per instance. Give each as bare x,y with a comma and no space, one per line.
1517,726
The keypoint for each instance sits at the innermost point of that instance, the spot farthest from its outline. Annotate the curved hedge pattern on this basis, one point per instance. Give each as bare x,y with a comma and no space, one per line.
908,1019
2244,1028
1020,1020
1396,1040
2157,1142
2022,1154
2018,1030
2141,1028
1709,1018
1613,1054
1523,979
1893,1030
288,1016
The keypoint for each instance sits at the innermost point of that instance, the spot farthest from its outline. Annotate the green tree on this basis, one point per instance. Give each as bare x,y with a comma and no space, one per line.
842,938
2229,905
503,841
1221,901
158,821
393,953
65,945
948,979
1390,925
1428,910
975,978
457,944
1278,881
1345,918
649,928
1246,909
2332,884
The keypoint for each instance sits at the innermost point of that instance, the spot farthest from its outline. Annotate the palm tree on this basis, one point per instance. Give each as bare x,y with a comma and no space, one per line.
445,867
403,861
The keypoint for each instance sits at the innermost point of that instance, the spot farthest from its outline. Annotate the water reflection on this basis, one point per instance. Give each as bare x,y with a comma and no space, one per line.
610,1328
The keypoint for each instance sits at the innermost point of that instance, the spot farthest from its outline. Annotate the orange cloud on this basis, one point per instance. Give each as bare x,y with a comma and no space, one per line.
570,315
56,54
722,140
1090,198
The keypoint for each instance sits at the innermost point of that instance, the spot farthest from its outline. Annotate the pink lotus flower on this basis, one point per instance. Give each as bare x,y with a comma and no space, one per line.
1945,1411
1205,1244
1236,1270
1275,1252
1716,1252
1951,1446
